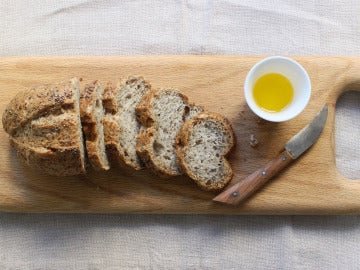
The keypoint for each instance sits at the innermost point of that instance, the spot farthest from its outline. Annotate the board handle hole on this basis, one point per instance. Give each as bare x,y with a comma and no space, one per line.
347,134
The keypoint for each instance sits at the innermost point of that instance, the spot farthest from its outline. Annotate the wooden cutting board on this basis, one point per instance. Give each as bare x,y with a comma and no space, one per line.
312,185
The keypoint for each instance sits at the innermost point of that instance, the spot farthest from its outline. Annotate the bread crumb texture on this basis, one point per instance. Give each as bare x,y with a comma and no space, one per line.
202,146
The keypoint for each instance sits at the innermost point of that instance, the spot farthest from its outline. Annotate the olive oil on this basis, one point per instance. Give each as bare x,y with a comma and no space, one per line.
273,92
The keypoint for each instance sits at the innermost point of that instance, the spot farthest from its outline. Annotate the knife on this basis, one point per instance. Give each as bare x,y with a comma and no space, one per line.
296,146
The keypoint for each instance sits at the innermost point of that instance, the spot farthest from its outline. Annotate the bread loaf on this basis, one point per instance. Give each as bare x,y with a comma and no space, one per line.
44,124
131,124
201,147
162,113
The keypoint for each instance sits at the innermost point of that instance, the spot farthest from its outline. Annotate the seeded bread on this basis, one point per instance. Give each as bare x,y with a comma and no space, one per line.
201,147
162,113
129,93
65,161
92,114
132,123
51,131
44,124
36,102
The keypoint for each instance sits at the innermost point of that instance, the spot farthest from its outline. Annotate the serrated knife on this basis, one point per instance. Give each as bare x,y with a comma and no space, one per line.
294,148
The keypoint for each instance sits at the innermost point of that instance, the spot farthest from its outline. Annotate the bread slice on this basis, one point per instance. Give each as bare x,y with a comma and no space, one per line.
111,123
92,114
163,113
48,138
201,147
123,125
109,99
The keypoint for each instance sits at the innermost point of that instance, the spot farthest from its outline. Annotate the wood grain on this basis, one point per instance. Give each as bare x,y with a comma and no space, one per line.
311,185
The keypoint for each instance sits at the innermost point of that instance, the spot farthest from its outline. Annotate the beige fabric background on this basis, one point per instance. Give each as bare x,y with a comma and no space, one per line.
29,241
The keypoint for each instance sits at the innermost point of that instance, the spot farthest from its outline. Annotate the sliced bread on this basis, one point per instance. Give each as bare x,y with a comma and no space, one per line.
162,113
49,139
111,124
128,95
109,99
201,147
92,114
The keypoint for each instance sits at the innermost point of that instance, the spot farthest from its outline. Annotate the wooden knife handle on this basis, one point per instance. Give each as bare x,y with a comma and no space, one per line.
245,188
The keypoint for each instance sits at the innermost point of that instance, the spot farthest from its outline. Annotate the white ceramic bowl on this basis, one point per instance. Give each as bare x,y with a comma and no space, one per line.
294,72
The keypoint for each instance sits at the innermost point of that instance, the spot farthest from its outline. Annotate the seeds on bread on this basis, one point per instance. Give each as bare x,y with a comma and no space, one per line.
162,113
201,147
44,124
38,101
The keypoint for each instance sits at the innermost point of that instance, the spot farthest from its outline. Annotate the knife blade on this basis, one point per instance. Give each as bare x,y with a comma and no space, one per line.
294,148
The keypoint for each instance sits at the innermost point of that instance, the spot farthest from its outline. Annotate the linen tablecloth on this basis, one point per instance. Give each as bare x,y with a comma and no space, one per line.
91,27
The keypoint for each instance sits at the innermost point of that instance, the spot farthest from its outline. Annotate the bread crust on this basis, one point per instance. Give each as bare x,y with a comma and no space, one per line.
109,99
111,124
45,128
147,136
182,145
119,152
145,151
56,161
111,129
90,99
36,102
